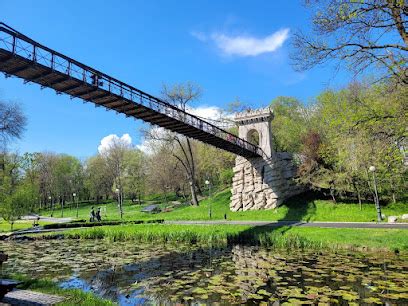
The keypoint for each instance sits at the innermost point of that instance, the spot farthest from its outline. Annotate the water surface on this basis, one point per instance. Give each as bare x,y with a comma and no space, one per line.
130,273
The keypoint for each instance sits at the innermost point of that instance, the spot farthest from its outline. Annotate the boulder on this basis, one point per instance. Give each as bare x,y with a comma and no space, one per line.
404,217
392,219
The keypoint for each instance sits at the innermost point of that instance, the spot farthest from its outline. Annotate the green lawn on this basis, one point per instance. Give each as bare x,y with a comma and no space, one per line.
296,209
290,237
18,225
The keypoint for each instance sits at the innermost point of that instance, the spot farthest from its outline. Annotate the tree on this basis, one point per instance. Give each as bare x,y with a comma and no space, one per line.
65,172
355,128
217,170
363,34
180,95
47,180
115,158
135,174
164,173
17,204
290,123
12,121
99,178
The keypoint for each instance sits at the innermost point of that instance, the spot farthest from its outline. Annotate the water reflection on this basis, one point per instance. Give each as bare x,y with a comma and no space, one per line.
150,274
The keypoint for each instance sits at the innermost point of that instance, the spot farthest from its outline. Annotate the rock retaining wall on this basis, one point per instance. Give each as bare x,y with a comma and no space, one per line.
260,183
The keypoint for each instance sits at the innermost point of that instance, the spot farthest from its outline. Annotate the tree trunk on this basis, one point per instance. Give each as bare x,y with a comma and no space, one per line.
332,193
194,200
52,208
355,185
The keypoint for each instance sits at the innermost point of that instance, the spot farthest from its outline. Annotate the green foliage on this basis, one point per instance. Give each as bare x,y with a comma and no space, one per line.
73,296
289,124
17,204
343,133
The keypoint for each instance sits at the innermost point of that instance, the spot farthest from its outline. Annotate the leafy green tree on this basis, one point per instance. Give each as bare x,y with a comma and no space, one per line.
134,174
291,122
359,126
17,204
99,178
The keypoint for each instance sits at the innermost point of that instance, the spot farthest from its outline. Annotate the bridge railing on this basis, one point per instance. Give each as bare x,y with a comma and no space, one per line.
21,45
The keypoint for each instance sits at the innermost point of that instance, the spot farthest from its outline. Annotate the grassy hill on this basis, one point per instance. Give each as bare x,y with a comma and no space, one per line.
299,208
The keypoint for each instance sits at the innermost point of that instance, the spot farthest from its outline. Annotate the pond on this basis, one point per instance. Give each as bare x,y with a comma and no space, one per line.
131,273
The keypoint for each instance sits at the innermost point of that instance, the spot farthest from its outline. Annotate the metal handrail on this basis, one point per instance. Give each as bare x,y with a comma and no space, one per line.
24,46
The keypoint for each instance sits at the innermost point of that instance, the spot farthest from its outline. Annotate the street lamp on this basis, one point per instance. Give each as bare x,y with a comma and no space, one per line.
52,206
207,182
117,194
376,199
119,202
74,195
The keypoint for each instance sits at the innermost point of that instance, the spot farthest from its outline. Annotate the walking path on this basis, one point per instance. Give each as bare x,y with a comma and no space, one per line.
46,219
40,230
298,223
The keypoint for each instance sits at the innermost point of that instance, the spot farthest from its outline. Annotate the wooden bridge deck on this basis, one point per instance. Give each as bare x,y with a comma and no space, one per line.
30,298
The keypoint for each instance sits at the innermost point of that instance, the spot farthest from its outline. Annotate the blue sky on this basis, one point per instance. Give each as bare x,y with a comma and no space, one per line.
232,49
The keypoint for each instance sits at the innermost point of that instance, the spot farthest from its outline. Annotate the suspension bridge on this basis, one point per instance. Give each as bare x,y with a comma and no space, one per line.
22,57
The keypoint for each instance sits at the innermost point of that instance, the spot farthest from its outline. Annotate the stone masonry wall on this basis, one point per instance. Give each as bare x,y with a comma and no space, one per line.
260,183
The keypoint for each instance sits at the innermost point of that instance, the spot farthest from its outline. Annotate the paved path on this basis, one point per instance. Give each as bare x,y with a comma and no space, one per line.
30,298
46,219
298,223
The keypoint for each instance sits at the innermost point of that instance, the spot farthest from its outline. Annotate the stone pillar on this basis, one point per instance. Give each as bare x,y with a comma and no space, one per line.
262,182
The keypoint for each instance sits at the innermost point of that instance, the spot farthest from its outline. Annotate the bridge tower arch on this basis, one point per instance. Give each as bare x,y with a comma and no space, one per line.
255,127
261,182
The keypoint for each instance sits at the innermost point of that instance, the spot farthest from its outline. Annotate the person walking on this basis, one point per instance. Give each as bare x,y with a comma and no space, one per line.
98,215
92,215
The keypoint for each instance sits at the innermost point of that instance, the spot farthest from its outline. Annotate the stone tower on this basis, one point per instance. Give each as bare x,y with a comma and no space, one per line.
261,182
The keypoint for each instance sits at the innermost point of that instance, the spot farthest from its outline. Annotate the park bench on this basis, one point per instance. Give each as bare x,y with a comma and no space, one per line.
6,285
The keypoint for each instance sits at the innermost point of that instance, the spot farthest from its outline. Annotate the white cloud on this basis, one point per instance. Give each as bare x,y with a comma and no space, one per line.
204,112
247,45
199,35
109,140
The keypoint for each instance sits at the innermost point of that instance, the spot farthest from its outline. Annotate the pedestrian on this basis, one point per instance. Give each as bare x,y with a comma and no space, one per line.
98,215
92,215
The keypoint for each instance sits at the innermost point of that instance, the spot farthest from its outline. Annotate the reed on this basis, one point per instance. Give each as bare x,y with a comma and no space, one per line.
282,237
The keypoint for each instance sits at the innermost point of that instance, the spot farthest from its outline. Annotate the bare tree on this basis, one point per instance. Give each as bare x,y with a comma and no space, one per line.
180,95
115,157
12,121
366,35
12,125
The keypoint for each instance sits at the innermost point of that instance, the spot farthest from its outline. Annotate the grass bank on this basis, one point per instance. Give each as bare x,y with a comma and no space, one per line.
300,208
282,237
18,225
73,296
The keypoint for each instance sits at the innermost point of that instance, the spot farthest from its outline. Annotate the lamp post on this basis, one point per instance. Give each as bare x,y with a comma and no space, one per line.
119,202
62,206
117,194
74,196
376,199
52,206
207,182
